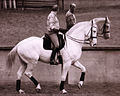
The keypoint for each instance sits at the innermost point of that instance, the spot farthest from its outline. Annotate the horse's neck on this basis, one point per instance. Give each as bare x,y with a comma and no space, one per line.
73,43
79,30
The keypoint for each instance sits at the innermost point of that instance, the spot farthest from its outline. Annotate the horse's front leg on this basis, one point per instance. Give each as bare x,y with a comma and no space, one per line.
65,69
83,69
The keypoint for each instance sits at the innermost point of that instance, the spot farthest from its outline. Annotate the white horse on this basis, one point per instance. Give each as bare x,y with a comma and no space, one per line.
31,50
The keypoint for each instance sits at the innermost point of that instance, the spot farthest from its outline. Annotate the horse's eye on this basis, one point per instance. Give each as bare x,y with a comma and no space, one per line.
107,26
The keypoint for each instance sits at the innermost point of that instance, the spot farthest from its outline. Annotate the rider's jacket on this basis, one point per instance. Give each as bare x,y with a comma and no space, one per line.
70,19
52,21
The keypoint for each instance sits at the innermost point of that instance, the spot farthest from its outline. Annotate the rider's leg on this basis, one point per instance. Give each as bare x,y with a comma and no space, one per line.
52,59
54,39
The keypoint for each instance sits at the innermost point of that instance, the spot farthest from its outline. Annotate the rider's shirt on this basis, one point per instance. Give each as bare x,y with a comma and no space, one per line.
52,21
70,19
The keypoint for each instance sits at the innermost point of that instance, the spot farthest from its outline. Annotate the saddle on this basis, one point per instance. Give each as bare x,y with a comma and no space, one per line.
48,45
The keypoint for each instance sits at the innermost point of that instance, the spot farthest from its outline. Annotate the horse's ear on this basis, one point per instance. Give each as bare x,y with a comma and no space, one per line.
107,19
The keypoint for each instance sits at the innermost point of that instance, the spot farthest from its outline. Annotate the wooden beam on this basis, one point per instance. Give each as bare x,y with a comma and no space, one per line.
62,4
5,4
1,5
37,3
14,4
10,4
57,2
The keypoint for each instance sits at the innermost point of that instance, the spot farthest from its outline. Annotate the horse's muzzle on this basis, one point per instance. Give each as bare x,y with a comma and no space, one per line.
107,35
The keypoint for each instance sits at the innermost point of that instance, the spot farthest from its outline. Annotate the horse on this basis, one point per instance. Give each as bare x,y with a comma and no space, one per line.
31,50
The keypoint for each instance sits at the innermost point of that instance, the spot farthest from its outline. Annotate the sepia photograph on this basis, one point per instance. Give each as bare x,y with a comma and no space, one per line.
59,47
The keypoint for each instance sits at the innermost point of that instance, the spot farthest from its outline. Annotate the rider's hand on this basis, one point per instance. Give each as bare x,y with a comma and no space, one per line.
55,30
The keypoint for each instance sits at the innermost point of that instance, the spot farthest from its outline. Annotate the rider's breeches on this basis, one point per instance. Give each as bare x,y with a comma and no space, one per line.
54,39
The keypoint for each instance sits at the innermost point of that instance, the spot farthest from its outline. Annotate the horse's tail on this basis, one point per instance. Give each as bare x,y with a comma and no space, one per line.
10,59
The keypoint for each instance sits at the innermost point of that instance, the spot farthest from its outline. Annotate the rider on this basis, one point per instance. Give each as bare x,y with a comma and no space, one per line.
70,17
53,29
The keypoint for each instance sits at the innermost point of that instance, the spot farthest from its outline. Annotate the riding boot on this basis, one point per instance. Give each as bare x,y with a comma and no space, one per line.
52,58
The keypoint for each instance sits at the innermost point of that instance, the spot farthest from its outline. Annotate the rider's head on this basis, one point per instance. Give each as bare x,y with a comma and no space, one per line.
55,8
72,7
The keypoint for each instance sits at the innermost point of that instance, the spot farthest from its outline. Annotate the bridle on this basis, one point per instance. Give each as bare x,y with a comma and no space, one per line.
86,36
103,29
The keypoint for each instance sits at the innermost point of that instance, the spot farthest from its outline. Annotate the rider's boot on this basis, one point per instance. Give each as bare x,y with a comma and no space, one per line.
52,58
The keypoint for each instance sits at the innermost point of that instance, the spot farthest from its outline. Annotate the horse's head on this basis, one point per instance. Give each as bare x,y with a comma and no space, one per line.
106,28
93,36
88,31
105,32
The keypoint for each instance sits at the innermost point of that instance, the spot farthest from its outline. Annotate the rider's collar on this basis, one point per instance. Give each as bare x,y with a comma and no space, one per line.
54,12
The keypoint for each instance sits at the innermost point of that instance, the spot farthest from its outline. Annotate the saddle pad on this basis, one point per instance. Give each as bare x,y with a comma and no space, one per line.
47,43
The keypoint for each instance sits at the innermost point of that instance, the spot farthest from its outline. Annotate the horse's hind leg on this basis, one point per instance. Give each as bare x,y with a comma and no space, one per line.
19,76
83,69
28,73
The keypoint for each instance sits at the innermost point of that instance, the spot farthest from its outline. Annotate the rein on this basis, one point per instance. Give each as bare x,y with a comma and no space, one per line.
80,41
76,40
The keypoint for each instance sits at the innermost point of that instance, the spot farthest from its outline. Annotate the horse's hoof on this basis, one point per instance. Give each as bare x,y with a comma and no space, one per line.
38,90
21,91
64,91
80,84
